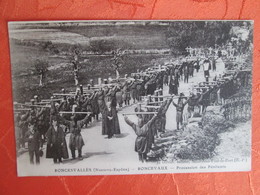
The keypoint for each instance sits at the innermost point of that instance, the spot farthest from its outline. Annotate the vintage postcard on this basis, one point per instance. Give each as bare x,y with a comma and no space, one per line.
131,97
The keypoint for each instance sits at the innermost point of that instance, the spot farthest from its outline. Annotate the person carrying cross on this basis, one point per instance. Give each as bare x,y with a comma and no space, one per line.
142,143
76,141
179,108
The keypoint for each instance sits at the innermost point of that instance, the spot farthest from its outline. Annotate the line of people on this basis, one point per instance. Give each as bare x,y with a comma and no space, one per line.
45,124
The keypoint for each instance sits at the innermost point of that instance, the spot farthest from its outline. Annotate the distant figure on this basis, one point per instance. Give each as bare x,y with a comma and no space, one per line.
206,68
173,85
126,94
214,64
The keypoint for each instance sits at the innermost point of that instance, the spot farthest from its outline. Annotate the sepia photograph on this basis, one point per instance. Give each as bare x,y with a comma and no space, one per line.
131,97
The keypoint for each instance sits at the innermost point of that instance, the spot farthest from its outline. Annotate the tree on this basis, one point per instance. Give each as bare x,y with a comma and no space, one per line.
181,35
117,60
41,67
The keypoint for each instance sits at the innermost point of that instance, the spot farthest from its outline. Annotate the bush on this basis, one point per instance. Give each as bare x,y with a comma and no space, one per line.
198,141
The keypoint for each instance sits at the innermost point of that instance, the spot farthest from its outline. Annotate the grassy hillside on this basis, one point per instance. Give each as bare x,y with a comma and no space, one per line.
54,46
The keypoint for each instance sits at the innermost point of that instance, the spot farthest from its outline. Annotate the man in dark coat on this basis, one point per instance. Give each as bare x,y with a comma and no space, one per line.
56,143
34,142
173,86
112,105
94,106
109,121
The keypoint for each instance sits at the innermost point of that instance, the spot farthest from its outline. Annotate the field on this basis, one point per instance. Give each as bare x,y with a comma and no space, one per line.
55,46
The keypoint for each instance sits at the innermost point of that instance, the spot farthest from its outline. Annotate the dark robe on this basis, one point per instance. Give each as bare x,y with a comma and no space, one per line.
173,87
101,101
94,105
133,90
104,122
109,123
59,145
115,120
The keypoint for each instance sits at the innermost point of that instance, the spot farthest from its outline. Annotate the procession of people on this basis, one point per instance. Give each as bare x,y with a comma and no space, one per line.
49,121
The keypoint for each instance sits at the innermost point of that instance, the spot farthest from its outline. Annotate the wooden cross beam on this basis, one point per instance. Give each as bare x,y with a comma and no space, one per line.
17,112
31,105
19,104
88,90
229,74
119,79
204,84
139,73
74,93
200,87
38,106
135,113
22,109
160,96
231,71
103,84
245,70
51,100
222,80
154,71
155,102
42,103
158,90
209,82
228,77
64,94
147,106
70,112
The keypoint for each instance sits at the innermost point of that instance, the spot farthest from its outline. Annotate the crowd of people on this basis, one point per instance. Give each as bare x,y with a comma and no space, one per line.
49,121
